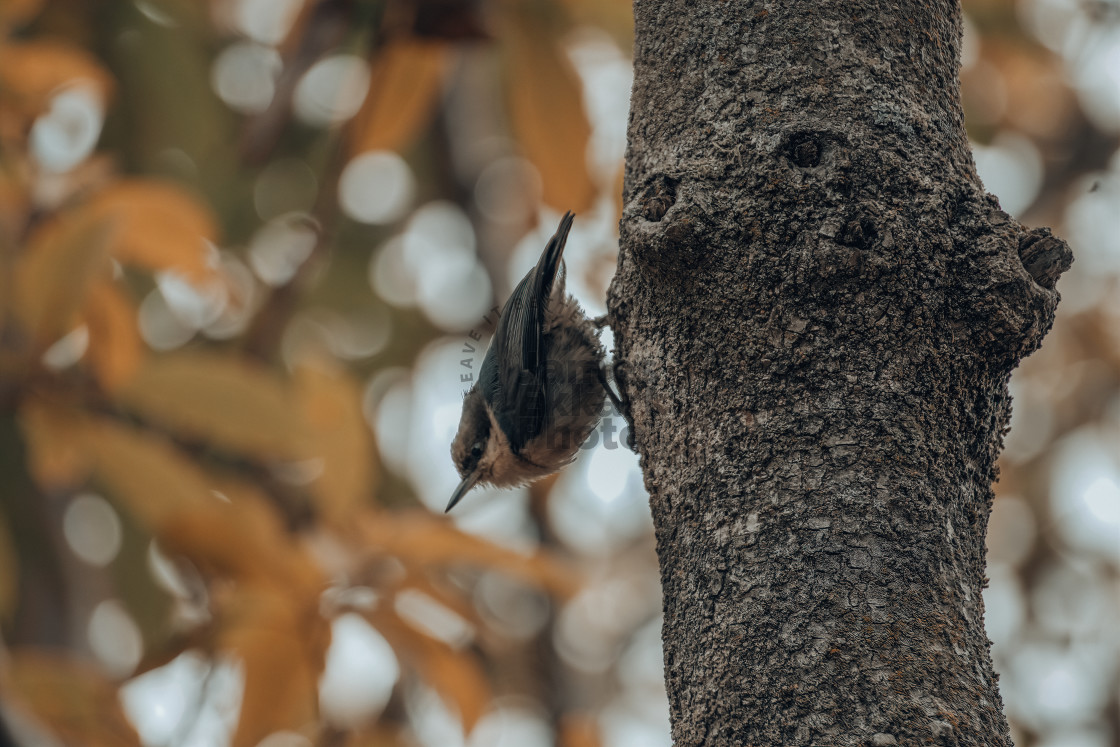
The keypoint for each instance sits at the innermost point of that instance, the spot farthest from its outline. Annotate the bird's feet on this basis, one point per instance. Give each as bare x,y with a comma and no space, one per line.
620,403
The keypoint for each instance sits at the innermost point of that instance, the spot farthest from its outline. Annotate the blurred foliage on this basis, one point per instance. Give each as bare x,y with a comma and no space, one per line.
148,356
192,444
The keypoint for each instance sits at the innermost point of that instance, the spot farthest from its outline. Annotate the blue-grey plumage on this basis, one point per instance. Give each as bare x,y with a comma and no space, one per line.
541,388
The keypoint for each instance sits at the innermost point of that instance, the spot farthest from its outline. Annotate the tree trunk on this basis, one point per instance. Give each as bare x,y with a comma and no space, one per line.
817,309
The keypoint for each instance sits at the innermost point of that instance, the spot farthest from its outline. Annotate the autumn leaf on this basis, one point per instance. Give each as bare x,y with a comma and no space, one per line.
331,402
57,452
16,12
146,474
158,226
579,730
280,688
220,400
241,536
406,80
282,642
420,539
225,527
60,263
456,675
32,72
115,349
15,202
546,113
69,696
270,617
616,17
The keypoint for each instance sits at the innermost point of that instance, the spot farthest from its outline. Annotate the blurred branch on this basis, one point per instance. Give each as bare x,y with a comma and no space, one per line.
43,612
324,30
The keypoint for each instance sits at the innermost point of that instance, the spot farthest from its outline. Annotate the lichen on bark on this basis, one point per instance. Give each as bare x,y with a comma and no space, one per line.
816,312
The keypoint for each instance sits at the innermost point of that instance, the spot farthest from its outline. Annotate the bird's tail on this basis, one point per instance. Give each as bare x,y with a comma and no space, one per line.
544,276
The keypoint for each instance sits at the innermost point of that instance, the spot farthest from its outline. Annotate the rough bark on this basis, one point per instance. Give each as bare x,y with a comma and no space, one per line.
817,309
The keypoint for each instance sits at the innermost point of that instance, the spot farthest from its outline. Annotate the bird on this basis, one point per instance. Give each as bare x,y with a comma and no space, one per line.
541,388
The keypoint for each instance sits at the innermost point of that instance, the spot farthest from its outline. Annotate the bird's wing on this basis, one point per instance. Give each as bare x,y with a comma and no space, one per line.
513,371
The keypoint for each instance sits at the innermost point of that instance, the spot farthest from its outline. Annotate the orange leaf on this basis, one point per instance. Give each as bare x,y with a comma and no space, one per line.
244,539
546,113
280,688
31,72
15,202
282,641
331,402
60,263
221,400
417,538
406,79
150,477
159,226
115,349
57,454
616,17
579,730
225,528
15,12
456,675
71,697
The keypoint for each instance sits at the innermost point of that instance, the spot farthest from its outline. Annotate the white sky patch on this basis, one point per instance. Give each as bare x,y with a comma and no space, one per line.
67,132
360,674
1084,491
185,700
1011,169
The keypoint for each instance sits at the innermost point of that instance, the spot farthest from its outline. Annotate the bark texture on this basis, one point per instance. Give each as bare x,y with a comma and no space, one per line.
817,309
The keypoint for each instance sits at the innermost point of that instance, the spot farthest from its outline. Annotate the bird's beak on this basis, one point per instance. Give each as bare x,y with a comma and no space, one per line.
467,483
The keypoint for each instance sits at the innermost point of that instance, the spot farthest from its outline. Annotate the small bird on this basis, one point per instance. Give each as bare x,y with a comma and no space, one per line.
541,388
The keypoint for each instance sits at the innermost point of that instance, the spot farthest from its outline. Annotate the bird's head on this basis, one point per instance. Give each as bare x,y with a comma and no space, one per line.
470,450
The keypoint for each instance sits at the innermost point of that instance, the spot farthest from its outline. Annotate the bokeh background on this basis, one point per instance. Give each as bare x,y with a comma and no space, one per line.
250,253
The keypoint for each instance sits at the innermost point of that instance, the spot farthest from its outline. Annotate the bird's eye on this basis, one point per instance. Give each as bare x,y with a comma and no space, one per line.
477,449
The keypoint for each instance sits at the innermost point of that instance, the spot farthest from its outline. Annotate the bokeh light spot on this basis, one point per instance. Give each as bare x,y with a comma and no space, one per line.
1011,168
114,638
376,187
66,134
279,247
92,529
244,76
265,21
332,91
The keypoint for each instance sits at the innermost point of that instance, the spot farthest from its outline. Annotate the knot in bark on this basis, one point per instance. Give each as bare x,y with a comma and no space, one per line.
1044,256
804,150
658,197
859,233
